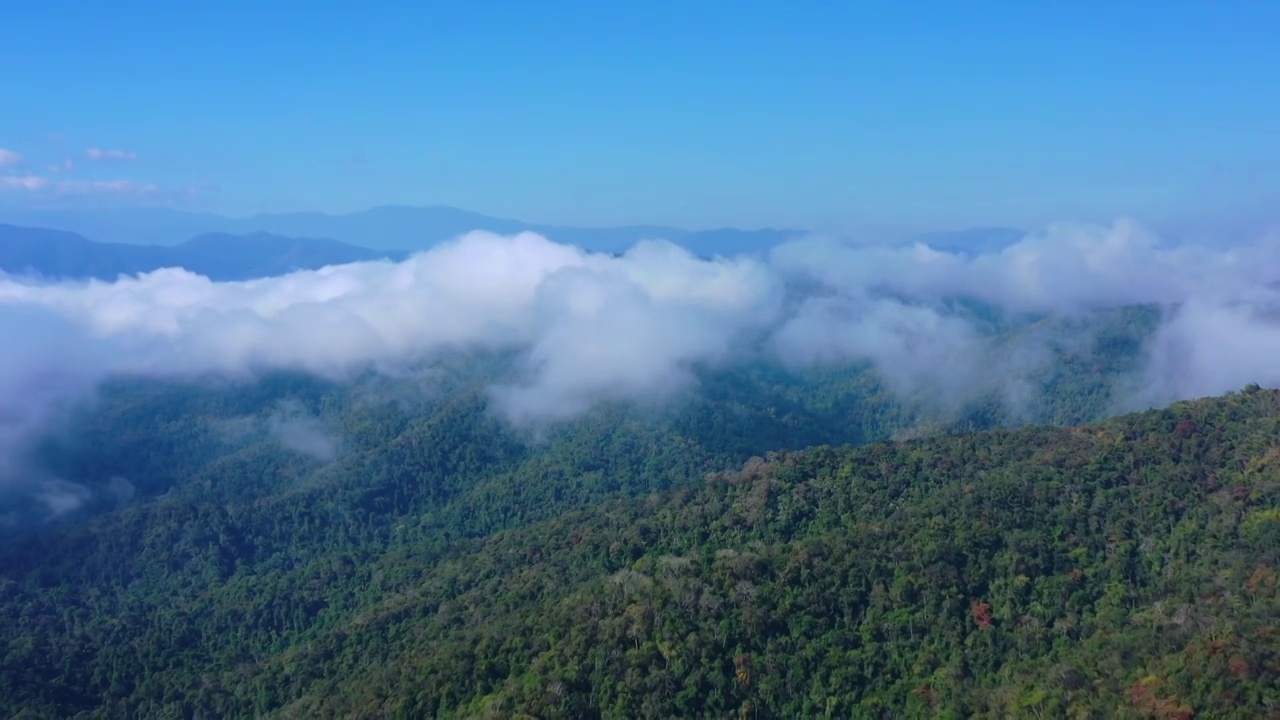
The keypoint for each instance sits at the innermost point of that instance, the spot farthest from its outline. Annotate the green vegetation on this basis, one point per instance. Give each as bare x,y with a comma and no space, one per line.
446,565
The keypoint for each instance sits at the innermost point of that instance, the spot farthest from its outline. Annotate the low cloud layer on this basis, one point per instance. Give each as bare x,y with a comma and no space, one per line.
592,328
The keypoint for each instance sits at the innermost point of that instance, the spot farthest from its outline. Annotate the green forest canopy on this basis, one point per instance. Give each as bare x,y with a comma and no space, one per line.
444,568
301,548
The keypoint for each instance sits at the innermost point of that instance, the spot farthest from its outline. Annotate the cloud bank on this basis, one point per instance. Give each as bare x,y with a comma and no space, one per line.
591,328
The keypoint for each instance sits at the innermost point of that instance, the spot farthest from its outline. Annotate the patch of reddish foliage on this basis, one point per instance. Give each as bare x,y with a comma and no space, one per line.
927,694
981,614
1262,577
1238,666
1143,696
1186,428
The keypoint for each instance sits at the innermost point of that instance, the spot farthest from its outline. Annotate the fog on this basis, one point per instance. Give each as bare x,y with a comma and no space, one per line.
288,424
299,431
592,328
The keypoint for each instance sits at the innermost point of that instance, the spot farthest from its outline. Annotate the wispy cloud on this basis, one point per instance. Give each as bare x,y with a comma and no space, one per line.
105,187
23,182
99,154
10,158
290,425
80,188
57,138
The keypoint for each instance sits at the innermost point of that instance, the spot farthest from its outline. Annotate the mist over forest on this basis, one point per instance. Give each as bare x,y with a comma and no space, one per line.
649,360
228,445
566,330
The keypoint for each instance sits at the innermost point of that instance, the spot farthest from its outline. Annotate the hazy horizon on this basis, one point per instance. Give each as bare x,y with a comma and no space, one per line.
807,116
535,134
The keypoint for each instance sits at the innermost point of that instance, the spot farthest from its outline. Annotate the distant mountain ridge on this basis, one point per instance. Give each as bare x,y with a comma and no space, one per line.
973,241
105,244
62,255
385,228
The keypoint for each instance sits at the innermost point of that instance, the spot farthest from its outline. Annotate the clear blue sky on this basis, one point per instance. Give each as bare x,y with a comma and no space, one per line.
704,112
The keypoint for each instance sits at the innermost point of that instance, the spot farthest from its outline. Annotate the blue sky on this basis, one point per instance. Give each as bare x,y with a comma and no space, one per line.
692,113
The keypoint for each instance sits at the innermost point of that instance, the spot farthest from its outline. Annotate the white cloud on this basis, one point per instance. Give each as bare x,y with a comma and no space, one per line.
9,158
555,300
105,187
914,346
299,431
82,188
481,292
631,328
1222,307
60,184
1210,346
591,328
94,153
23,182
288,424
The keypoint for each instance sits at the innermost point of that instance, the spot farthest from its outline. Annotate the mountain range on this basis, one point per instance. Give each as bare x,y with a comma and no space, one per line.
385,228
105,244
62,255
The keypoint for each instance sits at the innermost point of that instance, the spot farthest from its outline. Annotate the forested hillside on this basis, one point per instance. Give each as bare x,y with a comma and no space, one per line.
444,566
392,547
1119,570
283,437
